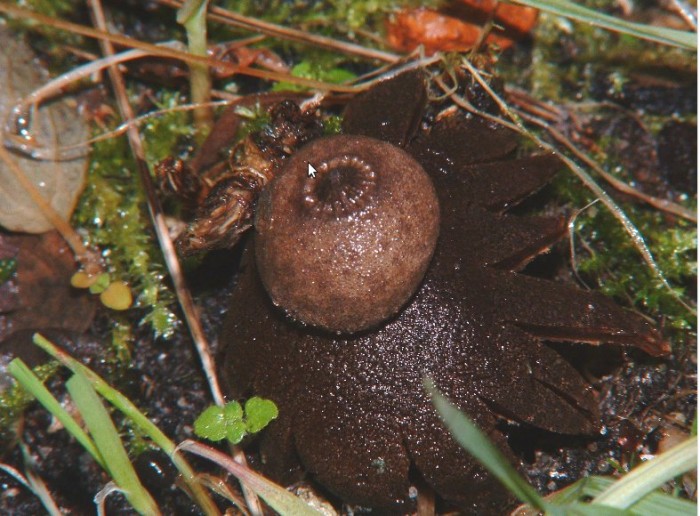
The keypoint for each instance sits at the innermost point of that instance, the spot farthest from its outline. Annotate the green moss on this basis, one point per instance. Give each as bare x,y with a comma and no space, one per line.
8,266
333,125
315,69
164,133
122,338
254,119
53,42
14,400
113,213
607,259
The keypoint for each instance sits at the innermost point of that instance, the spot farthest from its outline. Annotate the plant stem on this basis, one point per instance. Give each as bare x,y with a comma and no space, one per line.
193,15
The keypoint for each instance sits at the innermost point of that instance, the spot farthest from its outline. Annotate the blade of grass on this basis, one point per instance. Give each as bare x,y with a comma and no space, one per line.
31,383
676,38
652,504
276,497
585,509
652,474
193,15
109,444
124,405
476,443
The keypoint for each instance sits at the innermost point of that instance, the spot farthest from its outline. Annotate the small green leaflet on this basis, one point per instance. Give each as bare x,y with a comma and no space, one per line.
232,422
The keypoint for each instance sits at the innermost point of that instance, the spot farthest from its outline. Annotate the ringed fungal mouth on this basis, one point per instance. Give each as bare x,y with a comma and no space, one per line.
343,186
345,233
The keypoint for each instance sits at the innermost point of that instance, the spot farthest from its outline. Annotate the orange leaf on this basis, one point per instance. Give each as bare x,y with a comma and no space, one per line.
435,31
450,30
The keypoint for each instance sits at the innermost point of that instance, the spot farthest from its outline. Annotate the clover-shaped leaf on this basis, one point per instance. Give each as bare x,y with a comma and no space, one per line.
259,412
211,424
228,422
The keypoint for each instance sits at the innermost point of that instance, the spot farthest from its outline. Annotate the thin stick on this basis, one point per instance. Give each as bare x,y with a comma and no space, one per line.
634,233
119,39
155,209
572,241
277,497
685,11
55,86
195,24
660,204
80,148
225,16
156,212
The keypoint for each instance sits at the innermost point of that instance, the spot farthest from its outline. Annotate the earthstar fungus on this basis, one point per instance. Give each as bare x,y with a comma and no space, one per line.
353,413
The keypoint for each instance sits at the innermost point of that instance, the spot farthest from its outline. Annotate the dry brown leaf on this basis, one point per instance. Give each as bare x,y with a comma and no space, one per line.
43,297
54,124
458,28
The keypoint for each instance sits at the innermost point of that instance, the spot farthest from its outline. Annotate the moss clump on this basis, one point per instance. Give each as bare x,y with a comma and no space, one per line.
320,70
14,400
166,132
254,119
113,213
607,258
8,266
324,16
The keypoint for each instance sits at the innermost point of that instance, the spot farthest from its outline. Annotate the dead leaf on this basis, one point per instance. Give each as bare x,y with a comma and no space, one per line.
44,298
459,27
54,124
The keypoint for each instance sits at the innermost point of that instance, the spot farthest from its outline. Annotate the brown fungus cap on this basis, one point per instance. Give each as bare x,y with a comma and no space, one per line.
345,247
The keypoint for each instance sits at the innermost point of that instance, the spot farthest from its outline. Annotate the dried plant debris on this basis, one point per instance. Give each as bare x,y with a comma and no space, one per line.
39,293
51,126
459,25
